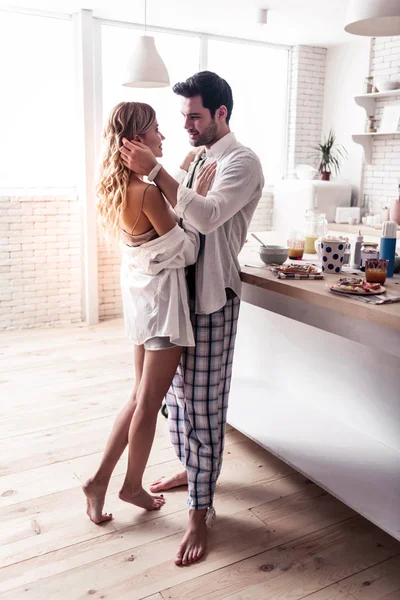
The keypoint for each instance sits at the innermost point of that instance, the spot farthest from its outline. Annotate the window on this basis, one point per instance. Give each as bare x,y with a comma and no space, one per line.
258,77
37,102
181,56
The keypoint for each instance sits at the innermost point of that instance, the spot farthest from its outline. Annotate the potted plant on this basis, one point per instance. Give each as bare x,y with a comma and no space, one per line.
329,155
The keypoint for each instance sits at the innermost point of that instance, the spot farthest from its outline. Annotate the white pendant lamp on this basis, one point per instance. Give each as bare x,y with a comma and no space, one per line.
146,68
373,18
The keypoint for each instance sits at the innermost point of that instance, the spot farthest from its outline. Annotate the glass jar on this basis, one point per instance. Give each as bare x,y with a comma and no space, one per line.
376,270
371,125
316,226
369,250
296,245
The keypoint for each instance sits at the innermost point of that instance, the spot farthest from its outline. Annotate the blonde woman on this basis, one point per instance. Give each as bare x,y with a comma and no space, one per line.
155,251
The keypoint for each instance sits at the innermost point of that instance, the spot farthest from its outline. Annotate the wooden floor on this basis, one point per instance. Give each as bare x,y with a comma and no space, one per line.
277,535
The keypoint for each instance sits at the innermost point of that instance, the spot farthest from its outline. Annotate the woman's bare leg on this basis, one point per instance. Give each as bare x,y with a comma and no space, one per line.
158,371
95,488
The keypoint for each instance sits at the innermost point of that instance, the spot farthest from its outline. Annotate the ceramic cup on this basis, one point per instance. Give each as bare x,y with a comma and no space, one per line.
332,255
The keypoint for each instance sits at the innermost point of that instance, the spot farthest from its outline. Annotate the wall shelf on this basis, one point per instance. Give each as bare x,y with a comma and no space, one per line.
365,140
367,101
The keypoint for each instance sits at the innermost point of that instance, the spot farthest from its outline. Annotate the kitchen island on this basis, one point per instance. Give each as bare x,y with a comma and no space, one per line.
316,381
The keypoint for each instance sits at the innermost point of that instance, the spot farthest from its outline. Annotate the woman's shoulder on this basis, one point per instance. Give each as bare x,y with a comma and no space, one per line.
137,189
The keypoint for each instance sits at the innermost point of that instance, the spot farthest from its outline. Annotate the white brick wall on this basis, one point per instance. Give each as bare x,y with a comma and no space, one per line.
263,216
40,261
306,103
109,261
381,178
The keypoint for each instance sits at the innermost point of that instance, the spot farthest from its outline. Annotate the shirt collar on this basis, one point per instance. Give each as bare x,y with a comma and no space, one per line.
218,149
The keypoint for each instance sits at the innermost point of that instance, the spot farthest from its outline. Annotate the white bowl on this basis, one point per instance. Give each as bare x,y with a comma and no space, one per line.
273,254
305,172
270,248
387,85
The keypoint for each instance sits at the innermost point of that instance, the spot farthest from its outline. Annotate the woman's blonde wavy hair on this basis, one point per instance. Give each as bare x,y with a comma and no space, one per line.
127,120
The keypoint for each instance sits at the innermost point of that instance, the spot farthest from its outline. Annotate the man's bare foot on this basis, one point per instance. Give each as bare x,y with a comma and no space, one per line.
142,499
95,495
167,483
194,542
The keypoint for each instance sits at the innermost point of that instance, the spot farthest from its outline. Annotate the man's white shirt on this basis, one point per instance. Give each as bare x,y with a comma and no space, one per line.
223,216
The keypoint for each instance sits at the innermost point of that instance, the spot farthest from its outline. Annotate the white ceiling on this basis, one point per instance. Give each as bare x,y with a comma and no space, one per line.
314,22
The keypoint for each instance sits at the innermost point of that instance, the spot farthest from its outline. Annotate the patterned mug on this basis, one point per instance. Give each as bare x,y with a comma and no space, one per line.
332,255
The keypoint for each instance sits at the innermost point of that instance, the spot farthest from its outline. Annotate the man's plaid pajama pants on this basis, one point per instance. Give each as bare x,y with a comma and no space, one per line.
198,401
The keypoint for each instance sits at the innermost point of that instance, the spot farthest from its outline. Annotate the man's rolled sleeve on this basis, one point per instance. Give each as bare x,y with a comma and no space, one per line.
184,196
234,186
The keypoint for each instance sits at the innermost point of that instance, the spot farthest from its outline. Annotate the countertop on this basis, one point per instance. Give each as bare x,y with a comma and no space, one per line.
366,230
316,292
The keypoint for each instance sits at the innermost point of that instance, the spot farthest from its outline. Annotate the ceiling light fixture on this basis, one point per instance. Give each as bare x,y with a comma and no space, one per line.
146,68
374,18
263,16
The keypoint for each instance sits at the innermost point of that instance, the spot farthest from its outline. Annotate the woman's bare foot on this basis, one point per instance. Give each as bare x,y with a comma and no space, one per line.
95,496
167,483
142,499
194,542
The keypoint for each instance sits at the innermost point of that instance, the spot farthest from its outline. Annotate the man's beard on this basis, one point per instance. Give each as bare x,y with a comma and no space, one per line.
207,137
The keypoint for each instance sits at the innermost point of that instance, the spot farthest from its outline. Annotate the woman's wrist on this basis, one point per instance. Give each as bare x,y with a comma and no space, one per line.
189,158
185,164
154,172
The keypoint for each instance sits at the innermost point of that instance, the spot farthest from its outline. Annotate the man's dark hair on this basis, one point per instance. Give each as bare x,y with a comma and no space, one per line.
214,91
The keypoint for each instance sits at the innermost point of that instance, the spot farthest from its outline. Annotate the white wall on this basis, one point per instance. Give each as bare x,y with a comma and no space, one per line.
307,80
383,174
347,66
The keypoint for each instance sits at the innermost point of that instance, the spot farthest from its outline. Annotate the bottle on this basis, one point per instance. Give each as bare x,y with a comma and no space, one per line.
395,209
310,231
369,85
316,226
347,254
388,244
356,254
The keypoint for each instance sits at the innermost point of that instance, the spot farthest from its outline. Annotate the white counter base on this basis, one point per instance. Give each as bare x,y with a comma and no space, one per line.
327,405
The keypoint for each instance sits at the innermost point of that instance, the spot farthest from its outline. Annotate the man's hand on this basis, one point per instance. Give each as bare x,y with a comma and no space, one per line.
137,157
205,178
